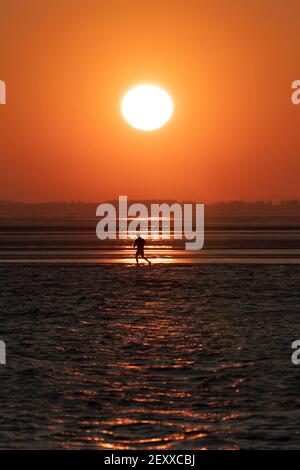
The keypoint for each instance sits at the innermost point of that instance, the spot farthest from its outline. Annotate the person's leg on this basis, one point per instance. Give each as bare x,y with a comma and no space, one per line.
143,256
137,257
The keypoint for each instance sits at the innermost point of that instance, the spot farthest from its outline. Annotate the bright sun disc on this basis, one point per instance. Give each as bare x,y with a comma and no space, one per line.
147,107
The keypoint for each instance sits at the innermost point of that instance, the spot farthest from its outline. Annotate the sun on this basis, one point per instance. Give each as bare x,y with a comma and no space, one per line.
147,107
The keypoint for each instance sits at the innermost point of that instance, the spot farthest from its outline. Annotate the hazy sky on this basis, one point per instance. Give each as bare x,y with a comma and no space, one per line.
228,65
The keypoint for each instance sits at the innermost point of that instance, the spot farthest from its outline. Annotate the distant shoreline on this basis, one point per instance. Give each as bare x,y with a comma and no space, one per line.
219,209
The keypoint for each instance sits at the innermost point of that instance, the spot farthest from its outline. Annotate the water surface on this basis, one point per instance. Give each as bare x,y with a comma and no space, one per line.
169,357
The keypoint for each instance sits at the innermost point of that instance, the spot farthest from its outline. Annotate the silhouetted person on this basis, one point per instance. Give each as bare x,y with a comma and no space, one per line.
139,243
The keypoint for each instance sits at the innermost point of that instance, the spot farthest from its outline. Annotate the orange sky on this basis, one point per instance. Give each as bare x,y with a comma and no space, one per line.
228,65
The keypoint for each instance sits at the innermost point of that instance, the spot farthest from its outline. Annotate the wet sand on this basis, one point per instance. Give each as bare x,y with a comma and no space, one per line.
169,357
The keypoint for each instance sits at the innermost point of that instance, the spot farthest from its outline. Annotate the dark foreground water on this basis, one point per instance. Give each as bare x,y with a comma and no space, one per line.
172,356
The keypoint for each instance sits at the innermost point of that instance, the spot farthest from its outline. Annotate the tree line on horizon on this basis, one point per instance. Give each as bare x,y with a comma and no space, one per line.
81,208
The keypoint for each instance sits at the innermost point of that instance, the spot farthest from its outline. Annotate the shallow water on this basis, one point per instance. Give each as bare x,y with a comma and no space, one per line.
172,356
62,240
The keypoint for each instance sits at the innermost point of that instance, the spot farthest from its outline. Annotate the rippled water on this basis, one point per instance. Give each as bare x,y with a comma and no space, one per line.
119,357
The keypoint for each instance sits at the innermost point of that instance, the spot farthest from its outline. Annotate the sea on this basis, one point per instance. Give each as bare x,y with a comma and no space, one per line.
191,353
